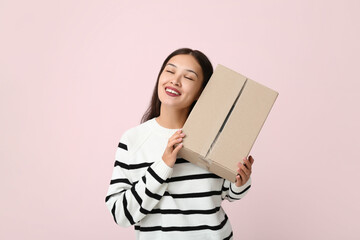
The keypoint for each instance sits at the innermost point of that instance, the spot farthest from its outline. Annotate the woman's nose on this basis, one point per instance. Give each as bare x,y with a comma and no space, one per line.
176,81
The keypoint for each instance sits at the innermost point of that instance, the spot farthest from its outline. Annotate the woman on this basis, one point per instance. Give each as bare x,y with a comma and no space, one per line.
165,197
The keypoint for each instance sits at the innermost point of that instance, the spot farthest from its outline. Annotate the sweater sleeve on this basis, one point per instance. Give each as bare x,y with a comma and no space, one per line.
130,201
231,192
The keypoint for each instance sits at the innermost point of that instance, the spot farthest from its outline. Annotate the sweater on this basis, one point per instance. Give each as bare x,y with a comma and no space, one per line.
182,202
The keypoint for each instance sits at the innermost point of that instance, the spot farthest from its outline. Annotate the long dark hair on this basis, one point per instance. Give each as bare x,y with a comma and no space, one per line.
207,69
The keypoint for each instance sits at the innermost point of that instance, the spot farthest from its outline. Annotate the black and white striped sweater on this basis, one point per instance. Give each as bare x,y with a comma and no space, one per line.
183,202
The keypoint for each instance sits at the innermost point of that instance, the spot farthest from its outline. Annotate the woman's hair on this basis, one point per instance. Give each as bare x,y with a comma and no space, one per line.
207,69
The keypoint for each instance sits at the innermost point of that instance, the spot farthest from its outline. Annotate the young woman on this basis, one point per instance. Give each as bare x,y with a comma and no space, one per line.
165,197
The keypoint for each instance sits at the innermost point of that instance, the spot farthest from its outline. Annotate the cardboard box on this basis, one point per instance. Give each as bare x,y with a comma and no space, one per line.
225,122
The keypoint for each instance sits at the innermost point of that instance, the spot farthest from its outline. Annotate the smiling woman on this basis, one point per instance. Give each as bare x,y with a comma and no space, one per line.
197,58
179,85
163,196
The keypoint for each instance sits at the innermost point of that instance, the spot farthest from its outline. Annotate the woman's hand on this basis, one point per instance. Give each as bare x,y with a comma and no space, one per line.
169,156
244,171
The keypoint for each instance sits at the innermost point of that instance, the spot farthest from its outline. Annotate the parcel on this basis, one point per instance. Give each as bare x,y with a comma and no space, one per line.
225,122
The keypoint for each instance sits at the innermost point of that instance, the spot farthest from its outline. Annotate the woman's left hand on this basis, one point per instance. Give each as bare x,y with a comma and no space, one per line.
244,171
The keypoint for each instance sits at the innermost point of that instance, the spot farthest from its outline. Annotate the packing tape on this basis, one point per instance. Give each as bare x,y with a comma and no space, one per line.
205,163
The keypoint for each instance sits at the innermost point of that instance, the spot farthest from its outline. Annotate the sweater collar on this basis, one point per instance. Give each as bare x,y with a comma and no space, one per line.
168,132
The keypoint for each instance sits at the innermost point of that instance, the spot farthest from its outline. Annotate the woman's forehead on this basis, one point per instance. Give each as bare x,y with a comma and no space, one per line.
185,62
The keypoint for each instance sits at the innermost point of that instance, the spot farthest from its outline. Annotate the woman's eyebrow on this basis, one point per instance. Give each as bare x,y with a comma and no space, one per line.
171,64
192,72
189,70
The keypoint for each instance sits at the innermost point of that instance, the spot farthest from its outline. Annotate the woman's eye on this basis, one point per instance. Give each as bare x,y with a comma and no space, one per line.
189,78
170,71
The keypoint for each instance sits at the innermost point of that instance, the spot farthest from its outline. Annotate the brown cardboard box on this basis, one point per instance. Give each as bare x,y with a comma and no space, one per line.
225,122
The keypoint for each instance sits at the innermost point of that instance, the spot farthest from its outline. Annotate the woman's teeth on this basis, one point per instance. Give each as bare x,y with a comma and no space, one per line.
172,91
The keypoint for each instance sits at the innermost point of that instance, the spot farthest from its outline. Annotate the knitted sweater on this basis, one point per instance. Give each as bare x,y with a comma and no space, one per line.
183,202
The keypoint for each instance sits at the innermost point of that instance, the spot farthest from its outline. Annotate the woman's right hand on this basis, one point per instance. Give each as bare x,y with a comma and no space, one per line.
169,156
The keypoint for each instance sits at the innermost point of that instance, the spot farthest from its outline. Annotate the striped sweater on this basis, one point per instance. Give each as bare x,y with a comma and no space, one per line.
183,202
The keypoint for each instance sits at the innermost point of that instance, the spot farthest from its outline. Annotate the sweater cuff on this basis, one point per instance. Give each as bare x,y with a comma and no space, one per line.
241,188
161,169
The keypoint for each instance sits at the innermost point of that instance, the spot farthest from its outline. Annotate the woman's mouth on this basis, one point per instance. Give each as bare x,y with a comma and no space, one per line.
172,92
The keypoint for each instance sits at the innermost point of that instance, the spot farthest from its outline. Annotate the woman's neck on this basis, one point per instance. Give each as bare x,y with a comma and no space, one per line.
172,118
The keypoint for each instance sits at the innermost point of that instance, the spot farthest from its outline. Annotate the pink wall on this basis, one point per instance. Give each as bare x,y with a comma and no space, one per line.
74,75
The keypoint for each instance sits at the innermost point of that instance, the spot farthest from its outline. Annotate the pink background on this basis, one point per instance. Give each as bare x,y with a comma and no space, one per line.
74,75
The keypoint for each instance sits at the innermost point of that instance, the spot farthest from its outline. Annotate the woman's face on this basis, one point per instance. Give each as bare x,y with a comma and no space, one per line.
180,82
